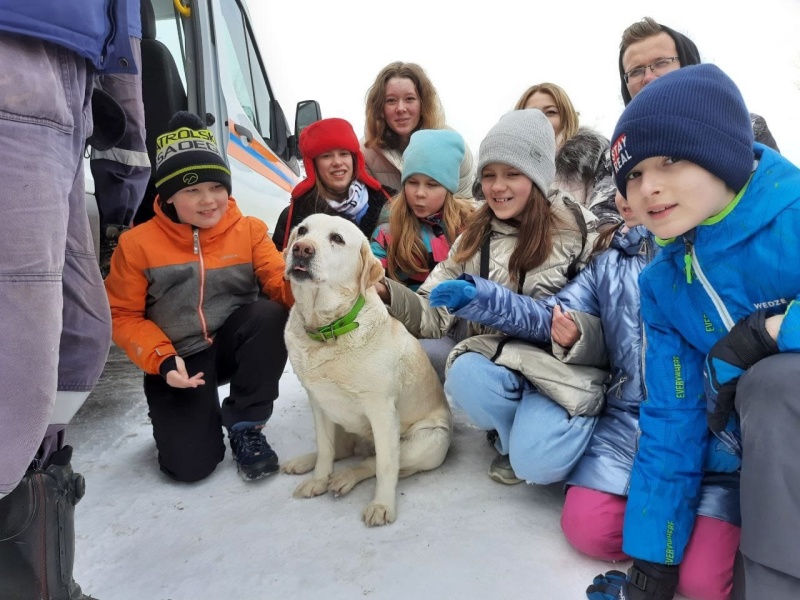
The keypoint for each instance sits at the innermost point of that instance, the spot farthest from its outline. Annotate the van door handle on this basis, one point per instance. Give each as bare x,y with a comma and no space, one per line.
243,132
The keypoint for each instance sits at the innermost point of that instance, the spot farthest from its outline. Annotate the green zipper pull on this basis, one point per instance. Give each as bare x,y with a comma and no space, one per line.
687,262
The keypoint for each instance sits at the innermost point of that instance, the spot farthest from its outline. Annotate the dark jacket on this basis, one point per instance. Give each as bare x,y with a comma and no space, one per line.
309,204
95,29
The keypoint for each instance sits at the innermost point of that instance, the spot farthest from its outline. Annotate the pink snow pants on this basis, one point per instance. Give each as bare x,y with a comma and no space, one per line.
592,523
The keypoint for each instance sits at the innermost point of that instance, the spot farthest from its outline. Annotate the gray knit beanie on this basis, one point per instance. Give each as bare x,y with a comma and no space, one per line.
525,140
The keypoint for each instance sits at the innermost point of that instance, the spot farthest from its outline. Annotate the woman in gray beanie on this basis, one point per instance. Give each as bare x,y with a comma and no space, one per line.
526,238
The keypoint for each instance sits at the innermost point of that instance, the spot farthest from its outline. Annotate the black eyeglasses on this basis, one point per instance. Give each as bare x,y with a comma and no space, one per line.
658,67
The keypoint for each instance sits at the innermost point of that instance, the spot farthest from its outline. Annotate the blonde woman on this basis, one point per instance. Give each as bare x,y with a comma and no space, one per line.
403,100
581,168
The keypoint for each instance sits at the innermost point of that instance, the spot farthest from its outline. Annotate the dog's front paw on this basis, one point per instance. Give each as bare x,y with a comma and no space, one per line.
300,464
378,514
310,488
341,482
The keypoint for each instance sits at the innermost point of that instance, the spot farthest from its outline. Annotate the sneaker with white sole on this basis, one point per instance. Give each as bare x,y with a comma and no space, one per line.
501,471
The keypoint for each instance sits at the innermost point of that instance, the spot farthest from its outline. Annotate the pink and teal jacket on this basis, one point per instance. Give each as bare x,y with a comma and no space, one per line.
434,238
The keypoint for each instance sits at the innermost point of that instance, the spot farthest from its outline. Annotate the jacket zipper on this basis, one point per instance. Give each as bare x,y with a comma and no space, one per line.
642,358
694,265
687,259
199,252
617,387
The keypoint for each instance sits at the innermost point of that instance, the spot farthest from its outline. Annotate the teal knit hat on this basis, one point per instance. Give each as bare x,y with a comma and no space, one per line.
436,153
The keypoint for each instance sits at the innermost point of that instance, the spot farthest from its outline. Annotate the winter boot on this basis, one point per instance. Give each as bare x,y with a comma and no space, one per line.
253,455
37,533
501,471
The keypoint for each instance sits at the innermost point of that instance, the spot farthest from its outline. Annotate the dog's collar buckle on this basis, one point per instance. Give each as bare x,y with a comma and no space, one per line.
340,326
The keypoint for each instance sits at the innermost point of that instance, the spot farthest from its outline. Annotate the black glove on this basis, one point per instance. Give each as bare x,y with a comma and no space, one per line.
744,345
644,581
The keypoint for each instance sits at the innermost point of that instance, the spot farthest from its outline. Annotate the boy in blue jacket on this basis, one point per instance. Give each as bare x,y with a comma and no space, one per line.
722,327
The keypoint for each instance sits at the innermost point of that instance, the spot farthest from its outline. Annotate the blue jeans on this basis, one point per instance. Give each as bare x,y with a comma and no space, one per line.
55,325
542,441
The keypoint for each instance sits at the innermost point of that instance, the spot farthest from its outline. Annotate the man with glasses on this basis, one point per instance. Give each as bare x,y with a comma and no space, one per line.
649,50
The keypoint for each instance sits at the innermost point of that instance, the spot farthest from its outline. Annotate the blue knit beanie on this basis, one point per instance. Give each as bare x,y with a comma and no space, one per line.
436,153
695,113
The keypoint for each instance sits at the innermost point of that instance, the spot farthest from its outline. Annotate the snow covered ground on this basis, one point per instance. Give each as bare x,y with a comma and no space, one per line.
458,534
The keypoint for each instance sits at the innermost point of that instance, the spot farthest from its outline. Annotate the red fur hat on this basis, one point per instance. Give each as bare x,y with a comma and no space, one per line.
324,136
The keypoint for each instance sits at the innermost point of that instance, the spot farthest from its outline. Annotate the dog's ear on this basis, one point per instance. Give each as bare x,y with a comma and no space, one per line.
287,250
371,268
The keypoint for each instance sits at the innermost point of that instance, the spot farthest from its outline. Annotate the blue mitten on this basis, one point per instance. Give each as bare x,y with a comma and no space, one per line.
644,581
453,294
606,587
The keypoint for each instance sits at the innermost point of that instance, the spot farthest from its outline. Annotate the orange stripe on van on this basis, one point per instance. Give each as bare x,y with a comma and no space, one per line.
261,159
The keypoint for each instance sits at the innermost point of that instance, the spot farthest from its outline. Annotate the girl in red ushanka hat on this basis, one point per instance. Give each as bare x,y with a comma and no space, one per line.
337,182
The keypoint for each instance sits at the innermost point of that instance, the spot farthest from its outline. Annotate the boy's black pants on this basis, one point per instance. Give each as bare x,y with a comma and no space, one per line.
249,352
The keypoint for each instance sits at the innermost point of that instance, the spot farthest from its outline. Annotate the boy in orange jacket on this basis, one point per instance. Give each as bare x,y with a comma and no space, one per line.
198,299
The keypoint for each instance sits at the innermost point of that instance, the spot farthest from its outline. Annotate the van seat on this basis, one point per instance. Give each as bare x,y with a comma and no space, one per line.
162,94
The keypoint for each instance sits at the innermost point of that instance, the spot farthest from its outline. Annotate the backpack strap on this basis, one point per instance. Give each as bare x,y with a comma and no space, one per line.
485,257
577,214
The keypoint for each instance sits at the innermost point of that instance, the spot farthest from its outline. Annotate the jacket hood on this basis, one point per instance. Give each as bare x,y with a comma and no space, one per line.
581,157
324,136
631,241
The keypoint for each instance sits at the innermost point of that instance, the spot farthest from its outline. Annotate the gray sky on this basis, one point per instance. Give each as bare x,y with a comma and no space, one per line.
482,58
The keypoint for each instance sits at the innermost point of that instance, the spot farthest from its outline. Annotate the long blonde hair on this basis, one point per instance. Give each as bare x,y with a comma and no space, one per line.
406,251
377,133
534,239
567,112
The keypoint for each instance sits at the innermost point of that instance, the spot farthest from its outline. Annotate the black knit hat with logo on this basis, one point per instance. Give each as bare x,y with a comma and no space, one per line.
187,155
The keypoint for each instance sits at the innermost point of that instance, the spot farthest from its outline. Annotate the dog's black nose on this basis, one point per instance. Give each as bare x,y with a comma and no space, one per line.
303,249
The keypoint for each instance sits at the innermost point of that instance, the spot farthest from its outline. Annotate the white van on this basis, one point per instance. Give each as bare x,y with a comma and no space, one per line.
202,56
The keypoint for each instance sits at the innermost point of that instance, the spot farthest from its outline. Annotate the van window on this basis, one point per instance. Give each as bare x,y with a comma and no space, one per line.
243,65
167,33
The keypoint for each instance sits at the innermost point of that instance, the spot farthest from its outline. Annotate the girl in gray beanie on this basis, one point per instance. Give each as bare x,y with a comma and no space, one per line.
525,238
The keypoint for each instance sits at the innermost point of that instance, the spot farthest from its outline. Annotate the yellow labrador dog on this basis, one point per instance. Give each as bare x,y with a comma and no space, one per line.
364,373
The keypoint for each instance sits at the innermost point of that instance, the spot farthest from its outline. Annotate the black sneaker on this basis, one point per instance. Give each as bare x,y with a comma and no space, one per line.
253,455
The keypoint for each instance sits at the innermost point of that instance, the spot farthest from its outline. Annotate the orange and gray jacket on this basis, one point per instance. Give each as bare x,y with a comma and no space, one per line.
172,286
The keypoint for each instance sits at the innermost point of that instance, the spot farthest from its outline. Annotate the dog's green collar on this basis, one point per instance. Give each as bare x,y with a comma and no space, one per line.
340,326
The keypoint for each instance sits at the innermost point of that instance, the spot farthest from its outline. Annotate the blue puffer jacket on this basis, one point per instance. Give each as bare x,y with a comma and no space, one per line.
737,266
95,29
607,288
